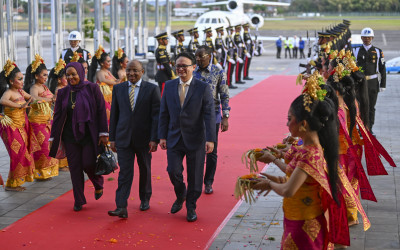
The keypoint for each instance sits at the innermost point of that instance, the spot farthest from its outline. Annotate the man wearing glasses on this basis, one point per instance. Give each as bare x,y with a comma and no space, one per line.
186,128
216,78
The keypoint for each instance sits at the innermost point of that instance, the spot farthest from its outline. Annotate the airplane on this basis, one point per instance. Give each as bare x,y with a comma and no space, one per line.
234,16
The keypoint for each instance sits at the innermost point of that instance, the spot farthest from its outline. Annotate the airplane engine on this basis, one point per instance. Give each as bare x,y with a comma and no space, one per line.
232,5
257,20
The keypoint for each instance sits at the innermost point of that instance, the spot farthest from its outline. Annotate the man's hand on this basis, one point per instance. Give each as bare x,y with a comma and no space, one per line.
153,146
112,146
209,147
382,89
103,140
50,144
224,124
163,144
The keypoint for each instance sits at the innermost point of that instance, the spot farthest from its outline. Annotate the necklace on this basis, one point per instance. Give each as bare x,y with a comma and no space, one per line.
73,103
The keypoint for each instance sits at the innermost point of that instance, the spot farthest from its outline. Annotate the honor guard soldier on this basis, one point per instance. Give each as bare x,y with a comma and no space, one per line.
241,51
164,66
220,47
209,42
194,43
370,58
232,53
249,43
74,39
179,48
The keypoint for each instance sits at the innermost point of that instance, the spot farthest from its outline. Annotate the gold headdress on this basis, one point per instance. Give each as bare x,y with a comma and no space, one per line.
35,64
76,56
9,67
349,62
99,52
312,90
339,72
119,53
59,66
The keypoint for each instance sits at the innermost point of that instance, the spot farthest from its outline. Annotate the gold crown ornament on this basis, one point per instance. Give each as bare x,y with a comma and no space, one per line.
76,56
60,65
119,53
312,90
9,67
99,52
38,61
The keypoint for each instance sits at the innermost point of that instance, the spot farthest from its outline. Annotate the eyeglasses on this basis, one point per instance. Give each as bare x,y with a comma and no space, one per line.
201,57
183,66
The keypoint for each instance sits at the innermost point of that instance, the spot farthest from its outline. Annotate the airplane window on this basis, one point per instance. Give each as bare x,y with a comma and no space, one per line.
214,20
202,20
207,20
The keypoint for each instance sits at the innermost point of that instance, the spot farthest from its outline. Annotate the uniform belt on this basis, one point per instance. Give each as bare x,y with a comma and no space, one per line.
371,77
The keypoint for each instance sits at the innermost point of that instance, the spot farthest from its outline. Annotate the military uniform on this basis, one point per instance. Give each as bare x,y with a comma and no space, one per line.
179,48
194,43
249,43
232,53
67,54
209,42
241,51
164,66
220,47
373,64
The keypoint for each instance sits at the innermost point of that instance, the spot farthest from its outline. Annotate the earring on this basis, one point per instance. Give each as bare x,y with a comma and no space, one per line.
302,129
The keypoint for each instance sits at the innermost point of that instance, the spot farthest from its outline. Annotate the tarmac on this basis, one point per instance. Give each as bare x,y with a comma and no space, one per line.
259,226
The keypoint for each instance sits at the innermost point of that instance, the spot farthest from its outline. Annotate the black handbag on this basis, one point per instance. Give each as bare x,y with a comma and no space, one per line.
105,163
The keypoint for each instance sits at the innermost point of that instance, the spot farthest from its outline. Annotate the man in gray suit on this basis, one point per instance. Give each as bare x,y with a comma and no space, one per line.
133,131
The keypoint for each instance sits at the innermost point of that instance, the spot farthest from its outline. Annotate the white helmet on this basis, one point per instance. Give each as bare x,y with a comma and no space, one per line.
74,36
368,32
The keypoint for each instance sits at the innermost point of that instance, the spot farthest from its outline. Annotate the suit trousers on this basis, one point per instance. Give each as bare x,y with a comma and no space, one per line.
126,158
194,168
373,89
286,51
82,158
211,163
229,73
238,74
247,62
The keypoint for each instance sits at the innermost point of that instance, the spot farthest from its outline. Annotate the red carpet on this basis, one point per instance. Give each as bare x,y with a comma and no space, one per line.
258,118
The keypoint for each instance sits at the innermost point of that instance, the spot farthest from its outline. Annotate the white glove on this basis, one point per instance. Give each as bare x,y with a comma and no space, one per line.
256,53
219,50
239,60
240,44
219,66
381,89
248,55
232,61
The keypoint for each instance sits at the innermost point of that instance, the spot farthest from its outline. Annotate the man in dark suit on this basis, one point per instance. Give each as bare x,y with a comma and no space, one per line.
133,131
186,128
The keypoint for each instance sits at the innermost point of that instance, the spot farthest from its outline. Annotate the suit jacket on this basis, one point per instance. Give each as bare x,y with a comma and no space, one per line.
140,125
194,121
99,117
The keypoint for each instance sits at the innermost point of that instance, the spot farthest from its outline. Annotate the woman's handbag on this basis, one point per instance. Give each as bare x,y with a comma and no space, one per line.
105,163
61,154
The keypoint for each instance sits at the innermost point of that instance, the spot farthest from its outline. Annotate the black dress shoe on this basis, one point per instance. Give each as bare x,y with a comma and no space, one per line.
120,212
177,206
240,82
144,205
98,195
232,87
208,189
248,78
77,208
191,215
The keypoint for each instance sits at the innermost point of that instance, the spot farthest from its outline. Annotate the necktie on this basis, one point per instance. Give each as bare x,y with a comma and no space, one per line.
132,95
182,94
